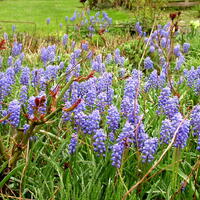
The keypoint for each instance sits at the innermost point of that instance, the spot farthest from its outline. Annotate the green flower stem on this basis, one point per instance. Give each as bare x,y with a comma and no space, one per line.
3,155
48,117
66,87
175,166
124,158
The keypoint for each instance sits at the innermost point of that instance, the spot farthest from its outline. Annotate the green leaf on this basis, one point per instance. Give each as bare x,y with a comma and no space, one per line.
10,174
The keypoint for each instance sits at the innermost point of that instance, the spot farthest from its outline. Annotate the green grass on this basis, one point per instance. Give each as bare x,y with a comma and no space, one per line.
37,11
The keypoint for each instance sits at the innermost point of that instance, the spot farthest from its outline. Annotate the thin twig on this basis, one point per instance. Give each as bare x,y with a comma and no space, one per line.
165,168
186,181
13,197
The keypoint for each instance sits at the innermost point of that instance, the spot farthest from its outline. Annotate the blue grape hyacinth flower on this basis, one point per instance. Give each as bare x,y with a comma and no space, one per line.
99,142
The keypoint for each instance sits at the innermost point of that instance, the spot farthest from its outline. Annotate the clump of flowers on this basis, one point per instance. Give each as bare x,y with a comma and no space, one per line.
73,143
149,149
195,123
170,127
99,142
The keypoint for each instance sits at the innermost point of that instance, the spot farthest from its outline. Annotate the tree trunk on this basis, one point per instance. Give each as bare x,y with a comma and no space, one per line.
118,3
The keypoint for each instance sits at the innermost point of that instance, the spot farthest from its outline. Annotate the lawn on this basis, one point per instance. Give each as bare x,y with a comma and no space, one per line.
37,11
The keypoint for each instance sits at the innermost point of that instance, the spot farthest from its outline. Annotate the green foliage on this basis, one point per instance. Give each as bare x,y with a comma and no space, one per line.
47,171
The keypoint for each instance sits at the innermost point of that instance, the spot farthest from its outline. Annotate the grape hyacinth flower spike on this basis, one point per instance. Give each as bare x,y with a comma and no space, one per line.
73,144
99,142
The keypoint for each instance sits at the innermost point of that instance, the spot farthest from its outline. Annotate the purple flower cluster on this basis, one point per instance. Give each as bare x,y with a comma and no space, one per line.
30,107
195,120
51,72
129,104
170,127
198,144
96,95
48,21
138,28
98,65
113,118
195,123
90,55
168,105
106,18
10,75
6,82
13,28
192,77
5,36
152,82
149,149
88,123
104,82
14,111
99,142
140,135
73,18
177,50
127,133
101,101
85,46
179,62
37,75
17,65
10,61
90,95
111,136
93,122
73,144
186,47
23,94
48,54
159,41
17,48
61,65
131,87
118,58
108,58
66,116
65,39
26,127
117,153
91,23
25,76
148,63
